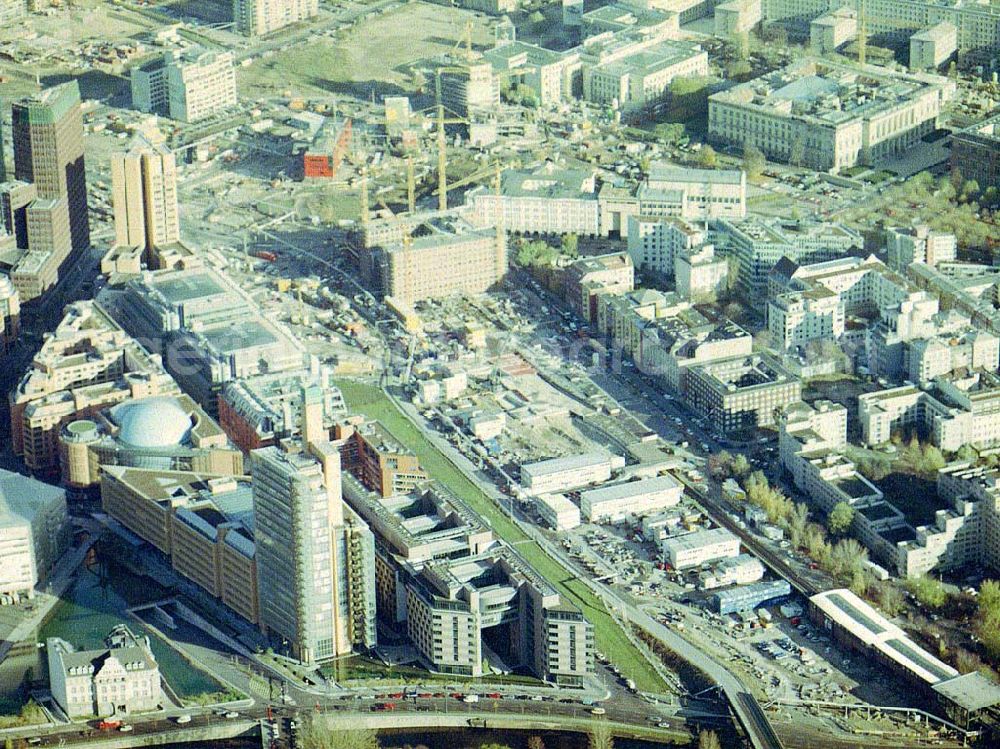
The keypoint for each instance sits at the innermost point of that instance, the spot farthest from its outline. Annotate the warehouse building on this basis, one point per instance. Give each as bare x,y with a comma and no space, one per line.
697,548
557,511
559,474
749,597
612,504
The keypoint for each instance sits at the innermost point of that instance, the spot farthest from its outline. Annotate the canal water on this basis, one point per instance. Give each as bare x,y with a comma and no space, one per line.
95,603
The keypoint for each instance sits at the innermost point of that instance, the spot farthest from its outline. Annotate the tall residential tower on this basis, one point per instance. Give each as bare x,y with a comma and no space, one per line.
315,556
260,17
144,195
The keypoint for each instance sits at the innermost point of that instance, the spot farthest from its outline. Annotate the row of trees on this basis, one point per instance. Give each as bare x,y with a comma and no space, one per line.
845,560
539,253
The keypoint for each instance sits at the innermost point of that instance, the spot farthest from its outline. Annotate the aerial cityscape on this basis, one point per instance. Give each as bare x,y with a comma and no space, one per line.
500,374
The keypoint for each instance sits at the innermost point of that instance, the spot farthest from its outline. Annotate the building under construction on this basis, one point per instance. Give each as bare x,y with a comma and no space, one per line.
323,157
430,255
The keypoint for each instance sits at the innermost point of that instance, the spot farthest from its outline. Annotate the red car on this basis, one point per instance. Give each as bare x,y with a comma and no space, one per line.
396,695
457,695
495,696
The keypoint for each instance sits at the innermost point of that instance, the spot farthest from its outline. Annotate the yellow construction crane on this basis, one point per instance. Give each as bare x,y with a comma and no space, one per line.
411,187
862,34
441,140
364,196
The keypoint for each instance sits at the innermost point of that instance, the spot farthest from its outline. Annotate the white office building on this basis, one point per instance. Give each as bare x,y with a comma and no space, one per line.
612,504
697,548
558,511
560,474
33,532
261,17
919,244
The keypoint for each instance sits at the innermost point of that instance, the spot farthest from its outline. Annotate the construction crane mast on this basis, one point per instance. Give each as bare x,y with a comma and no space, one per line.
442,146
411,187
862,34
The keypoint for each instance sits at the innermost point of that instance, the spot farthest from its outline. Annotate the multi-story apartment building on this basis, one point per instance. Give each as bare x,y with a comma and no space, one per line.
315,556
829,116
812,302
637,81
89,363
700,274
444,579
736,17
433,255
540,201
200,84
34,533
377,460
655,242
759,244
262,17
117,680
918,244
202,523
589,277
831,31
189,86
975,152
967,287
741,393
144,195
956,411
260,411
932,47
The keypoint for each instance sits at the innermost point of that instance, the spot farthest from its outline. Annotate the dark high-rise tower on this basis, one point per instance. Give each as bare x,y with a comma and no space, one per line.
48,151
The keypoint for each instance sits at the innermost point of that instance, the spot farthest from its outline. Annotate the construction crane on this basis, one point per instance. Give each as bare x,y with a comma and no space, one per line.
441,140
364,196
862,34
411,187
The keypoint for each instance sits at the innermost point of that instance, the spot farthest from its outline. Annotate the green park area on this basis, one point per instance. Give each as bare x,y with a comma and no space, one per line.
611,640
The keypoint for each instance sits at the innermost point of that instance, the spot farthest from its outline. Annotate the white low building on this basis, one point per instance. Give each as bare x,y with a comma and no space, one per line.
695,549
739,570
612,504
559,474
558,511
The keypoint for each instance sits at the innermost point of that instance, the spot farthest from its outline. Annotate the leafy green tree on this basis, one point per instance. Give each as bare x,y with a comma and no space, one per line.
740,466
890,600
318,733
928,591
753,162
707,158
839,520
570,245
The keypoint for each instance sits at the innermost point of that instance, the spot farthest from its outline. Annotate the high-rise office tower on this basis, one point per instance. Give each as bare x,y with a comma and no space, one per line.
315,556
48,151
144,194
260,17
